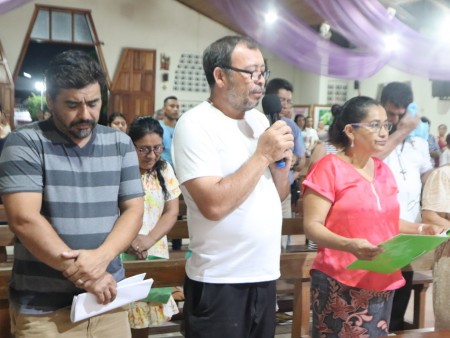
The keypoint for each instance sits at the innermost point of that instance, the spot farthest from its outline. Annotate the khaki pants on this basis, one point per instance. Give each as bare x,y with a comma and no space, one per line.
113,324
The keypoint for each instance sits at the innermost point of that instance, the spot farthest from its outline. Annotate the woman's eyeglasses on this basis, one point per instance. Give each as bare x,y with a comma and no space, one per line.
145,150
375,126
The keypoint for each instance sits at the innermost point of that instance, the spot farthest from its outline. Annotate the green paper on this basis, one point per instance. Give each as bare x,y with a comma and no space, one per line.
124,256
158,295
399,251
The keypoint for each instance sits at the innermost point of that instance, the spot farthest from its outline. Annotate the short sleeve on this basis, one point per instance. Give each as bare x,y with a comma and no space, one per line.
436,196
21,164
422,146
172,185
322,177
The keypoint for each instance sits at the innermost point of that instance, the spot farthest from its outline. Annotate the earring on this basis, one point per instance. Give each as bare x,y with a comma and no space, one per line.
352,144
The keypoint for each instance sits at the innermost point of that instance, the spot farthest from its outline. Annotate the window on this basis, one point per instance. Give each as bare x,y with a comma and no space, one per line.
52,31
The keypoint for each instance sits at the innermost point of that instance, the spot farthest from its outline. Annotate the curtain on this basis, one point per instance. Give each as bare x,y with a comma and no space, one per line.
365,23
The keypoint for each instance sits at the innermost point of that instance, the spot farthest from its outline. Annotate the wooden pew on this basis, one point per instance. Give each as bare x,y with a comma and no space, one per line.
421,283
294,266
427,333
171,272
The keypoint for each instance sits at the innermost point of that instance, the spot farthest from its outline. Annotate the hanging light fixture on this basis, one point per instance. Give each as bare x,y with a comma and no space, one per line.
325,30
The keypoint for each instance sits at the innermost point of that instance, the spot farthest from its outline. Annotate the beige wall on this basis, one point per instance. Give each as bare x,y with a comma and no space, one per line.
172,29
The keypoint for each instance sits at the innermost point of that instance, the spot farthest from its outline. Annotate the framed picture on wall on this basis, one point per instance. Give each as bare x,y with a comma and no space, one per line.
321,112
301,109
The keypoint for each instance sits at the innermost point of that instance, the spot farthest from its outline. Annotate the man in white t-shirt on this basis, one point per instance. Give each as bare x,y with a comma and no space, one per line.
224,154
410,163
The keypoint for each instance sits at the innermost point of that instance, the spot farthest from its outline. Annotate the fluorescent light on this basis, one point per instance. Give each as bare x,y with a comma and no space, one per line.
27,75
39,85
444,28
391,12
271,17
391,42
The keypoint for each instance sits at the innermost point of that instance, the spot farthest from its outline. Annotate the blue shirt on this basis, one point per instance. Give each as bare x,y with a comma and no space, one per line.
299,146
167,142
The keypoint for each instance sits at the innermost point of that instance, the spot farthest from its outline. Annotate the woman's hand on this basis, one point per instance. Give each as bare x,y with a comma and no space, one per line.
430,229
363,249
141,245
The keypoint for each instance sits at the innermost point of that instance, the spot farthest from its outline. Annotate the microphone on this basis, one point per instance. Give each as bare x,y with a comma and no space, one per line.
271,105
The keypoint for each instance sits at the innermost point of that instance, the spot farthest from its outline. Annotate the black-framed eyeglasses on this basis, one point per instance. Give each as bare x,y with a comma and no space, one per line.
145,150
375,126
254,75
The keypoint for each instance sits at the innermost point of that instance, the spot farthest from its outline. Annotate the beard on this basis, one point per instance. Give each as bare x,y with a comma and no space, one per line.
240,98
81,133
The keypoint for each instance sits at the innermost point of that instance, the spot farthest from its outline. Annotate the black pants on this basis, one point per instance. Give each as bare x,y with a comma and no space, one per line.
400,303
229,310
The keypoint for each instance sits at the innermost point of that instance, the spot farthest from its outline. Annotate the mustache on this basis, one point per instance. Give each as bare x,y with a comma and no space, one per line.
258,89
76,123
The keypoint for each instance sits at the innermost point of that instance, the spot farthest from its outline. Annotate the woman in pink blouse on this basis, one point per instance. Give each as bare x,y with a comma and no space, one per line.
350,206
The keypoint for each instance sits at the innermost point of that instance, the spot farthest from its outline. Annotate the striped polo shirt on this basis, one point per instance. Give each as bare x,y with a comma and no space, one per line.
81,190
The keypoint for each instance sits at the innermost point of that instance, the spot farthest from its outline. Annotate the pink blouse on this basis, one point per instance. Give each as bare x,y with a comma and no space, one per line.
360,209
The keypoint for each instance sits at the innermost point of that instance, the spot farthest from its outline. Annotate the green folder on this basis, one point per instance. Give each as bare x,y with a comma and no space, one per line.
399,251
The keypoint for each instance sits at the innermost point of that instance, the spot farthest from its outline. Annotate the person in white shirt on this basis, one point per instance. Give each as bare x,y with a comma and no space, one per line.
310,136
224,154
410,162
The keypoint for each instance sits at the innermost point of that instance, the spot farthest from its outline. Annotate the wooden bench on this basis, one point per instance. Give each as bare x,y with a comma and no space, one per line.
422,333
294,265
420,285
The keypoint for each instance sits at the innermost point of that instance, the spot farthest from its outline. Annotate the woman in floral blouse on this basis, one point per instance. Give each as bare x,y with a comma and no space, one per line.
160,214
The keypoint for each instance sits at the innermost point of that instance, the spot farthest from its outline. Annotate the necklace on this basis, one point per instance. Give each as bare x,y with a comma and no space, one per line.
399,154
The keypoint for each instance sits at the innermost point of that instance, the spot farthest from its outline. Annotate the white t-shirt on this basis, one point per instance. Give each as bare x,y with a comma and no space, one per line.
309,136
408,161
243,247
444,158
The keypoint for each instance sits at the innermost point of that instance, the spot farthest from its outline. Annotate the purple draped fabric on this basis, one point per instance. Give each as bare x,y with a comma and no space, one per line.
7,5
364,23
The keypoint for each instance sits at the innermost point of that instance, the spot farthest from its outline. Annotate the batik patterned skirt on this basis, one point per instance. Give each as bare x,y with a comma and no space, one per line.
342,311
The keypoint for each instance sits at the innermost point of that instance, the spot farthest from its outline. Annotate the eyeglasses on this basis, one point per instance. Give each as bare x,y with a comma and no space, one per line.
255,75
145,150
375,126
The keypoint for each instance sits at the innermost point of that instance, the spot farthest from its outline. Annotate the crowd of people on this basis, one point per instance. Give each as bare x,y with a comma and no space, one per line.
99,195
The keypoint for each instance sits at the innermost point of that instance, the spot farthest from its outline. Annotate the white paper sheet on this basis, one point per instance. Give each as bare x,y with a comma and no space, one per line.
129,290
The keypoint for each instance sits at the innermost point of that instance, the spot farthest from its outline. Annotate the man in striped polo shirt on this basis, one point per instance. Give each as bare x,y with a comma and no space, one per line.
73,196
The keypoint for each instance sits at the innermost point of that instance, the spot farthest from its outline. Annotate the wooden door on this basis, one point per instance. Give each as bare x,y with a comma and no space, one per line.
133,87
6,88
